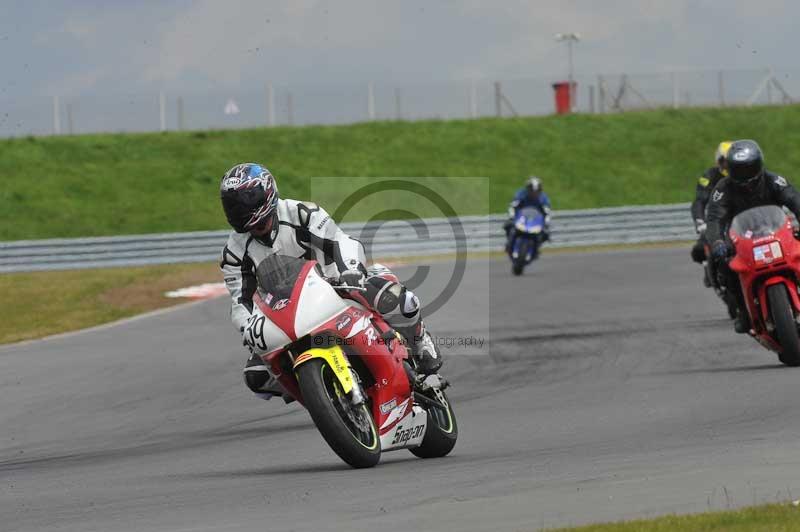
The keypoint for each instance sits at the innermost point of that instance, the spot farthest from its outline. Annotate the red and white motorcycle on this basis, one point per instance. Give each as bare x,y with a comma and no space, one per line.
347,366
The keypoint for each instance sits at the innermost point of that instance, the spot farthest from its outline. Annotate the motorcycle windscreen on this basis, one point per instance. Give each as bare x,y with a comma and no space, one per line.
277,275
758,222
531,213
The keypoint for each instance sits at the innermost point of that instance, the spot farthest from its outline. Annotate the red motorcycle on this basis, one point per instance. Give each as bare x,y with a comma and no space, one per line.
767,261
347,366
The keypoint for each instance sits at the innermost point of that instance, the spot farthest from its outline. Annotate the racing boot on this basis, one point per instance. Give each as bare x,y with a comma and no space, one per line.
741,323
426,354
261,382
706,278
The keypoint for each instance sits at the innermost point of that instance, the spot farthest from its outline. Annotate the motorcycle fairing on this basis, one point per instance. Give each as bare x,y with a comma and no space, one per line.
408,431
356,331
309,291
756,277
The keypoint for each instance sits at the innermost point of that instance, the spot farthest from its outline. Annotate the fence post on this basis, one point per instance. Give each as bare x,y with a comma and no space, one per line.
270,105
591,99
56,116
289,110
398,104
370,101
179,103
70,129
498,100
601,94
162,110
721,87
675,97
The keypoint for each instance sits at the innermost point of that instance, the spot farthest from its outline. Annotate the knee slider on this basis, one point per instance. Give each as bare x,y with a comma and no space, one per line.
410,305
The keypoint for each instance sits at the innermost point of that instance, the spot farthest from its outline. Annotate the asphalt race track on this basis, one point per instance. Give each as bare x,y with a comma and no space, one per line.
613,387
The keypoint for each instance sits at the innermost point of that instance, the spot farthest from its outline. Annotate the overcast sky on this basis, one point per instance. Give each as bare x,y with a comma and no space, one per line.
81,48
72,46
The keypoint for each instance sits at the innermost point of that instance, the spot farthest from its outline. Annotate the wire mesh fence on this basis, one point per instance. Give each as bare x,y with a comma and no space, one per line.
697,89
274,105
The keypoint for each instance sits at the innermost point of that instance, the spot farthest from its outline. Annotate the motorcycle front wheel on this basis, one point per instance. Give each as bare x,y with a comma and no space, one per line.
347,428
785,326
518,263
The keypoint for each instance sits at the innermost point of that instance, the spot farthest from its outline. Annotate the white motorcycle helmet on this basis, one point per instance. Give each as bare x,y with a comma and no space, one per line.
533,184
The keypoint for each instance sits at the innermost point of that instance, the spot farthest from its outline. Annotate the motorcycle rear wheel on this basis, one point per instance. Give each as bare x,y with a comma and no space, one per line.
348,429
442,432
785,326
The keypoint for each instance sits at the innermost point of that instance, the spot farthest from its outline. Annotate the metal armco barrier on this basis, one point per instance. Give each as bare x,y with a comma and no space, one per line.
613,225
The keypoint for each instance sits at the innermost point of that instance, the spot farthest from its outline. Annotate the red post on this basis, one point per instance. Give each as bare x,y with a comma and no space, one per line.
563,96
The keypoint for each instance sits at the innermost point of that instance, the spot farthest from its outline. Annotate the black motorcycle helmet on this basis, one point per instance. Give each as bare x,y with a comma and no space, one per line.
745,164
250,200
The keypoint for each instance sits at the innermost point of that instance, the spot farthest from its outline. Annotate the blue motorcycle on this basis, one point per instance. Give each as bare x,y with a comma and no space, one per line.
525,237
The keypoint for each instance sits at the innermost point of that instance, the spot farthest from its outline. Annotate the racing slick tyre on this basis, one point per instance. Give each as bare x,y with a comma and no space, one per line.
442,432
785,326
349,429
518,263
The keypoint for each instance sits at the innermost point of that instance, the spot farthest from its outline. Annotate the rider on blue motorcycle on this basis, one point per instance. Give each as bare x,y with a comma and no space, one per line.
531,195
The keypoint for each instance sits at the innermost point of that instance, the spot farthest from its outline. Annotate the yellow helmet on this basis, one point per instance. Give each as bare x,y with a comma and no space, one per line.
722,150
721,154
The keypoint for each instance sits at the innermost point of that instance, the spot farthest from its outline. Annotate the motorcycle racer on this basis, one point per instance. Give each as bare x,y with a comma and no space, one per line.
705,185
747,185
264,224
531,195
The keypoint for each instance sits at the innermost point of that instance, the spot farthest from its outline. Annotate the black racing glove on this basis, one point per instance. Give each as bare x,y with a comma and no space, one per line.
720,250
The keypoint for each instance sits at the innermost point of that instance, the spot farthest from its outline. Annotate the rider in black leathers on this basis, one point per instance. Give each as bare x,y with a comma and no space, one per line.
706,184
747,185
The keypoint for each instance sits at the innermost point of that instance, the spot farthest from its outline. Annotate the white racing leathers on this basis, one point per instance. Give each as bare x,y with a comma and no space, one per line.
305,231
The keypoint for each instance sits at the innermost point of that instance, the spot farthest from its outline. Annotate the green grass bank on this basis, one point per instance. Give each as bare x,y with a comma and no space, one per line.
140,183
767,518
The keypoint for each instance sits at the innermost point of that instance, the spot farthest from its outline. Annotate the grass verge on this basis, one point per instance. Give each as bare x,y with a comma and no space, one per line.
767,518
49,303
147,183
